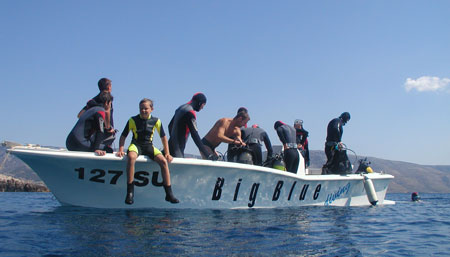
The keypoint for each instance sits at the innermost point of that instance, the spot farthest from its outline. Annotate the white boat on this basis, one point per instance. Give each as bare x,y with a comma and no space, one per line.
84,179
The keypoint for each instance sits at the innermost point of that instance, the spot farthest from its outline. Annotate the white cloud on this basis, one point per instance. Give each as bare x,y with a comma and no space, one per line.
427,83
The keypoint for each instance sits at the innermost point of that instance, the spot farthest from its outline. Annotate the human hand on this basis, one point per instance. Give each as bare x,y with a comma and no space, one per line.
169,158
213,157
100,152
120,154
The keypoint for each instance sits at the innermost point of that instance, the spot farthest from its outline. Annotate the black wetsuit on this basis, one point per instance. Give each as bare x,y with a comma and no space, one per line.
334,135
88,133
97,102
287,136
109,135
337,161
302,138
254,137
183,123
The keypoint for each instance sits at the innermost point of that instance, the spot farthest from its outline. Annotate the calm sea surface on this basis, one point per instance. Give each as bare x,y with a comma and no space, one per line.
34,224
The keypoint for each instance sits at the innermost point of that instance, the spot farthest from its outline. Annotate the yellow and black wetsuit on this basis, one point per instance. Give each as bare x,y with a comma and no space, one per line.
143,131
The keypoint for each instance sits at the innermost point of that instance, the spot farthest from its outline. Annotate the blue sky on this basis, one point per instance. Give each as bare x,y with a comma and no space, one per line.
385,62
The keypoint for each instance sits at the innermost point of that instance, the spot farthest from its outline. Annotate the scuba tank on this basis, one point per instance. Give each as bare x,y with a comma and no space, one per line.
364,166
245,157
277,163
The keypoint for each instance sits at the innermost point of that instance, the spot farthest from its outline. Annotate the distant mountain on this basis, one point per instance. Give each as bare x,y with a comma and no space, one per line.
14,167
409,177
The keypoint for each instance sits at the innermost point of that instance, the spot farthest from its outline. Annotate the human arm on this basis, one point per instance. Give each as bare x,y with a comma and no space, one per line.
164,140
221,127
192,125
268,145
238,137
282,137
165,144
120,152
123,137
99,133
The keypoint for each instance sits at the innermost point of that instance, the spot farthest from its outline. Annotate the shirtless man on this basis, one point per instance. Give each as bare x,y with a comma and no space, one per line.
225,130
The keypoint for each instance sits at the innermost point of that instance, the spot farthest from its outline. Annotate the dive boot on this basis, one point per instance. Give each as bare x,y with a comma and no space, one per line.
130,194
169,195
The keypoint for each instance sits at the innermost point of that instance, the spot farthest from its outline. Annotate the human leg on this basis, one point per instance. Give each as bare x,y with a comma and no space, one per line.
131,160
166,178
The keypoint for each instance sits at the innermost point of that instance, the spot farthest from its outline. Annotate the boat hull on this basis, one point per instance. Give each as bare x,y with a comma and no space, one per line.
84,179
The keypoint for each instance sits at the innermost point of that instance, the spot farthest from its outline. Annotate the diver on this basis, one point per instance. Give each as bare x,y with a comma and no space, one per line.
184,122
302,140
143,127
104,85
225,130
337,160
88,134
415,197
234,149
253,137
287,136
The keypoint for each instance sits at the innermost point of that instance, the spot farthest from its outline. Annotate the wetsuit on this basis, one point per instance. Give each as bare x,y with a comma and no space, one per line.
337,161
254,137
88,133
287,136
143,131
97,102
334,136
302,138
183,123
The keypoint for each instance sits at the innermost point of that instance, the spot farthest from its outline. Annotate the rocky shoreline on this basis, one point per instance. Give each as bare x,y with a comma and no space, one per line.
10,184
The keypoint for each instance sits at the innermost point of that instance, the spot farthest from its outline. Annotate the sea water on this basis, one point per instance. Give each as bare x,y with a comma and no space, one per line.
34,224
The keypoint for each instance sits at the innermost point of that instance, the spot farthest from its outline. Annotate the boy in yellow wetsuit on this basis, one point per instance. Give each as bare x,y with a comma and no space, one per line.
143,127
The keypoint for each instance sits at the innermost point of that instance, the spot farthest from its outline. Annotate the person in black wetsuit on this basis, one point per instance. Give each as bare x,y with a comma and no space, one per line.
253,137
104,85
287,136
337,160
184,122
143,127
88,133
302,140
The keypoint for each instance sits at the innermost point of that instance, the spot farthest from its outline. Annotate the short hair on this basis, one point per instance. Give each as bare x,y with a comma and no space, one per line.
244,115
242,109
103,83
104,97
146,100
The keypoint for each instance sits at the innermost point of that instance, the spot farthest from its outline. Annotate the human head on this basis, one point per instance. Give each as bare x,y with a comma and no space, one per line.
345,117
242,118
104,84
198,101
277,124
298,123
145,108
255,126
242,109
105,99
